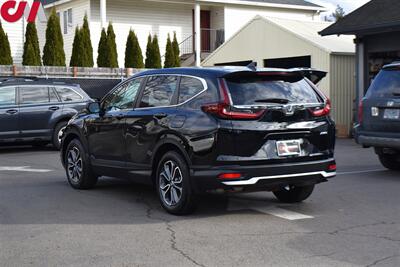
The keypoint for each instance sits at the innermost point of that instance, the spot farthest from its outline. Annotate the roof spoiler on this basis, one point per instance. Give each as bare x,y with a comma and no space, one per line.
313,75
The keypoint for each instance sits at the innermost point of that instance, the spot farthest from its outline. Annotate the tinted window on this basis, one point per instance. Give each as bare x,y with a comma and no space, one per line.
34,95
159,91
386,84
67,94
7,96
53,96
123,97
248,91
189,87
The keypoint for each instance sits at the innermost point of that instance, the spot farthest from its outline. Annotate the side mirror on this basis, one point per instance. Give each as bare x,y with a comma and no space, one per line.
93,107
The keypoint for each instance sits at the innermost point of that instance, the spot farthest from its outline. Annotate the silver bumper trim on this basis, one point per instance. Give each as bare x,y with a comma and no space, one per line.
255,180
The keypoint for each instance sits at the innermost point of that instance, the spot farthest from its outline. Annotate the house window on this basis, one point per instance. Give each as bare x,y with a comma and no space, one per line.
65,22
70,17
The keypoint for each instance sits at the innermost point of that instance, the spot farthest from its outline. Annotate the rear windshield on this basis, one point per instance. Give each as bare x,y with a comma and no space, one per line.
256,90
385,84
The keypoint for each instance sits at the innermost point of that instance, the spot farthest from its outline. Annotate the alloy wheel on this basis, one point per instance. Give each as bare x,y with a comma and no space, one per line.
74,165
170,182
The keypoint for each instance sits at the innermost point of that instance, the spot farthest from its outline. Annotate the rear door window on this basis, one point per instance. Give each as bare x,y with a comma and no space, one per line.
68,95
34,95
159,91
7,96
188,88
385,84
281,90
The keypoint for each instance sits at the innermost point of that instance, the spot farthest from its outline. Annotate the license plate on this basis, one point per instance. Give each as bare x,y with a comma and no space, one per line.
288,148
391,114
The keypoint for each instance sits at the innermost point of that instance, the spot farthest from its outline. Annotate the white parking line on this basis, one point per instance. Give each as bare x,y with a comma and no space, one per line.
23,169
256,205
359,172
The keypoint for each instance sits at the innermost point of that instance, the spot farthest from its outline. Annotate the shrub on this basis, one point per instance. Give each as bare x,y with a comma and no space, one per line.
77,58
5,55
87,48
133,52
102,60
149,53
169,61
156,53
31,55
177,53
53,52
111,47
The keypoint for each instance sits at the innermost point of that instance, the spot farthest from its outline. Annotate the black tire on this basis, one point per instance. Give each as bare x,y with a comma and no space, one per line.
294,194
56,141
391,162
177,204
85,178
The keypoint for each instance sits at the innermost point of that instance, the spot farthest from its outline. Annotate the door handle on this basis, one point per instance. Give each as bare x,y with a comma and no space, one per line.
160,115
54,108
12,111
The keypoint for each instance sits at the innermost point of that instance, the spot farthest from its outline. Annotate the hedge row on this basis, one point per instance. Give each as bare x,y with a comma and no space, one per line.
82,50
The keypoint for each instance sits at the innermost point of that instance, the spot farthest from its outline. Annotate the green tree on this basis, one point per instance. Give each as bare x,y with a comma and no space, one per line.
149,62
87,52
102,60
156,53
169,61
31,56
111,47
133,52
339,13
77,58
177,52
5,55
53,52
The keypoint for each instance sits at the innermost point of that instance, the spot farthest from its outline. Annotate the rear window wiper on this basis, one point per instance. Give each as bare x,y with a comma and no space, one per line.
272,100
396,94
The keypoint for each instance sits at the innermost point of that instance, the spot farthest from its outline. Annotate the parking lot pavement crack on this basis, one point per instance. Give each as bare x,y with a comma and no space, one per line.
360,226
170,229
377,262
175,247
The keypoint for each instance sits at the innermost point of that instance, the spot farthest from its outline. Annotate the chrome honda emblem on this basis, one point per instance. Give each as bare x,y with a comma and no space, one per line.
289,110
390,104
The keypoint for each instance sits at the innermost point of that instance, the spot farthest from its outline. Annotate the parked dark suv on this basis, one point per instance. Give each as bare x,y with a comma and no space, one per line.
192,130
379,117
36,112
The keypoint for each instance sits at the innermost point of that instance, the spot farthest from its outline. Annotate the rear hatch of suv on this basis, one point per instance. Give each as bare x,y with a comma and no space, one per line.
380,109
275,117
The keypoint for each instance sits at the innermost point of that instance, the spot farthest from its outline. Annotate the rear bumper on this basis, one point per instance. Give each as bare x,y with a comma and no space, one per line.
264,177
378,139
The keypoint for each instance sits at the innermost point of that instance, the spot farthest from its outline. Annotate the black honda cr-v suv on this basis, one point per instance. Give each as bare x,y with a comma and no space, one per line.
193,130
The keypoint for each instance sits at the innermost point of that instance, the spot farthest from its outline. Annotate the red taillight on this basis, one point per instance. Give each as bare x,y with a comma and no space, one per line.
323,111
224,110
360,112
332,167
232,176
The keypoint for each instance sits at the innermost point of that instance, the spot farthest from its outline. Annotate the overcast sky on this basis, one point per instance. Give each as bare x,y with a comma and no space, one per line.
348,5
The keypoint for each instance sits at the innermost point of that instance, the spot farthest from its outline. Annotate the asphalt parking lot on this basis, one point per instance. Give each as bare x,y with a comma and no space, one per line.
353,220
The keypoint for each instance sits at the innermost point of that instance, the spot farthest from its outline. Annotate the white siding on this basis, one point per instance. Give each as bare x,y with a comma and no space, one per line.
144,18
217,17
79,9
236,17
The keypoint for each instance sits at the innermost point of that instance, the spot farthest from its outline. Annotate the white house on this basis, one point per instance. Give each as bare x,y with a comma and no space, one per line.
216,20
